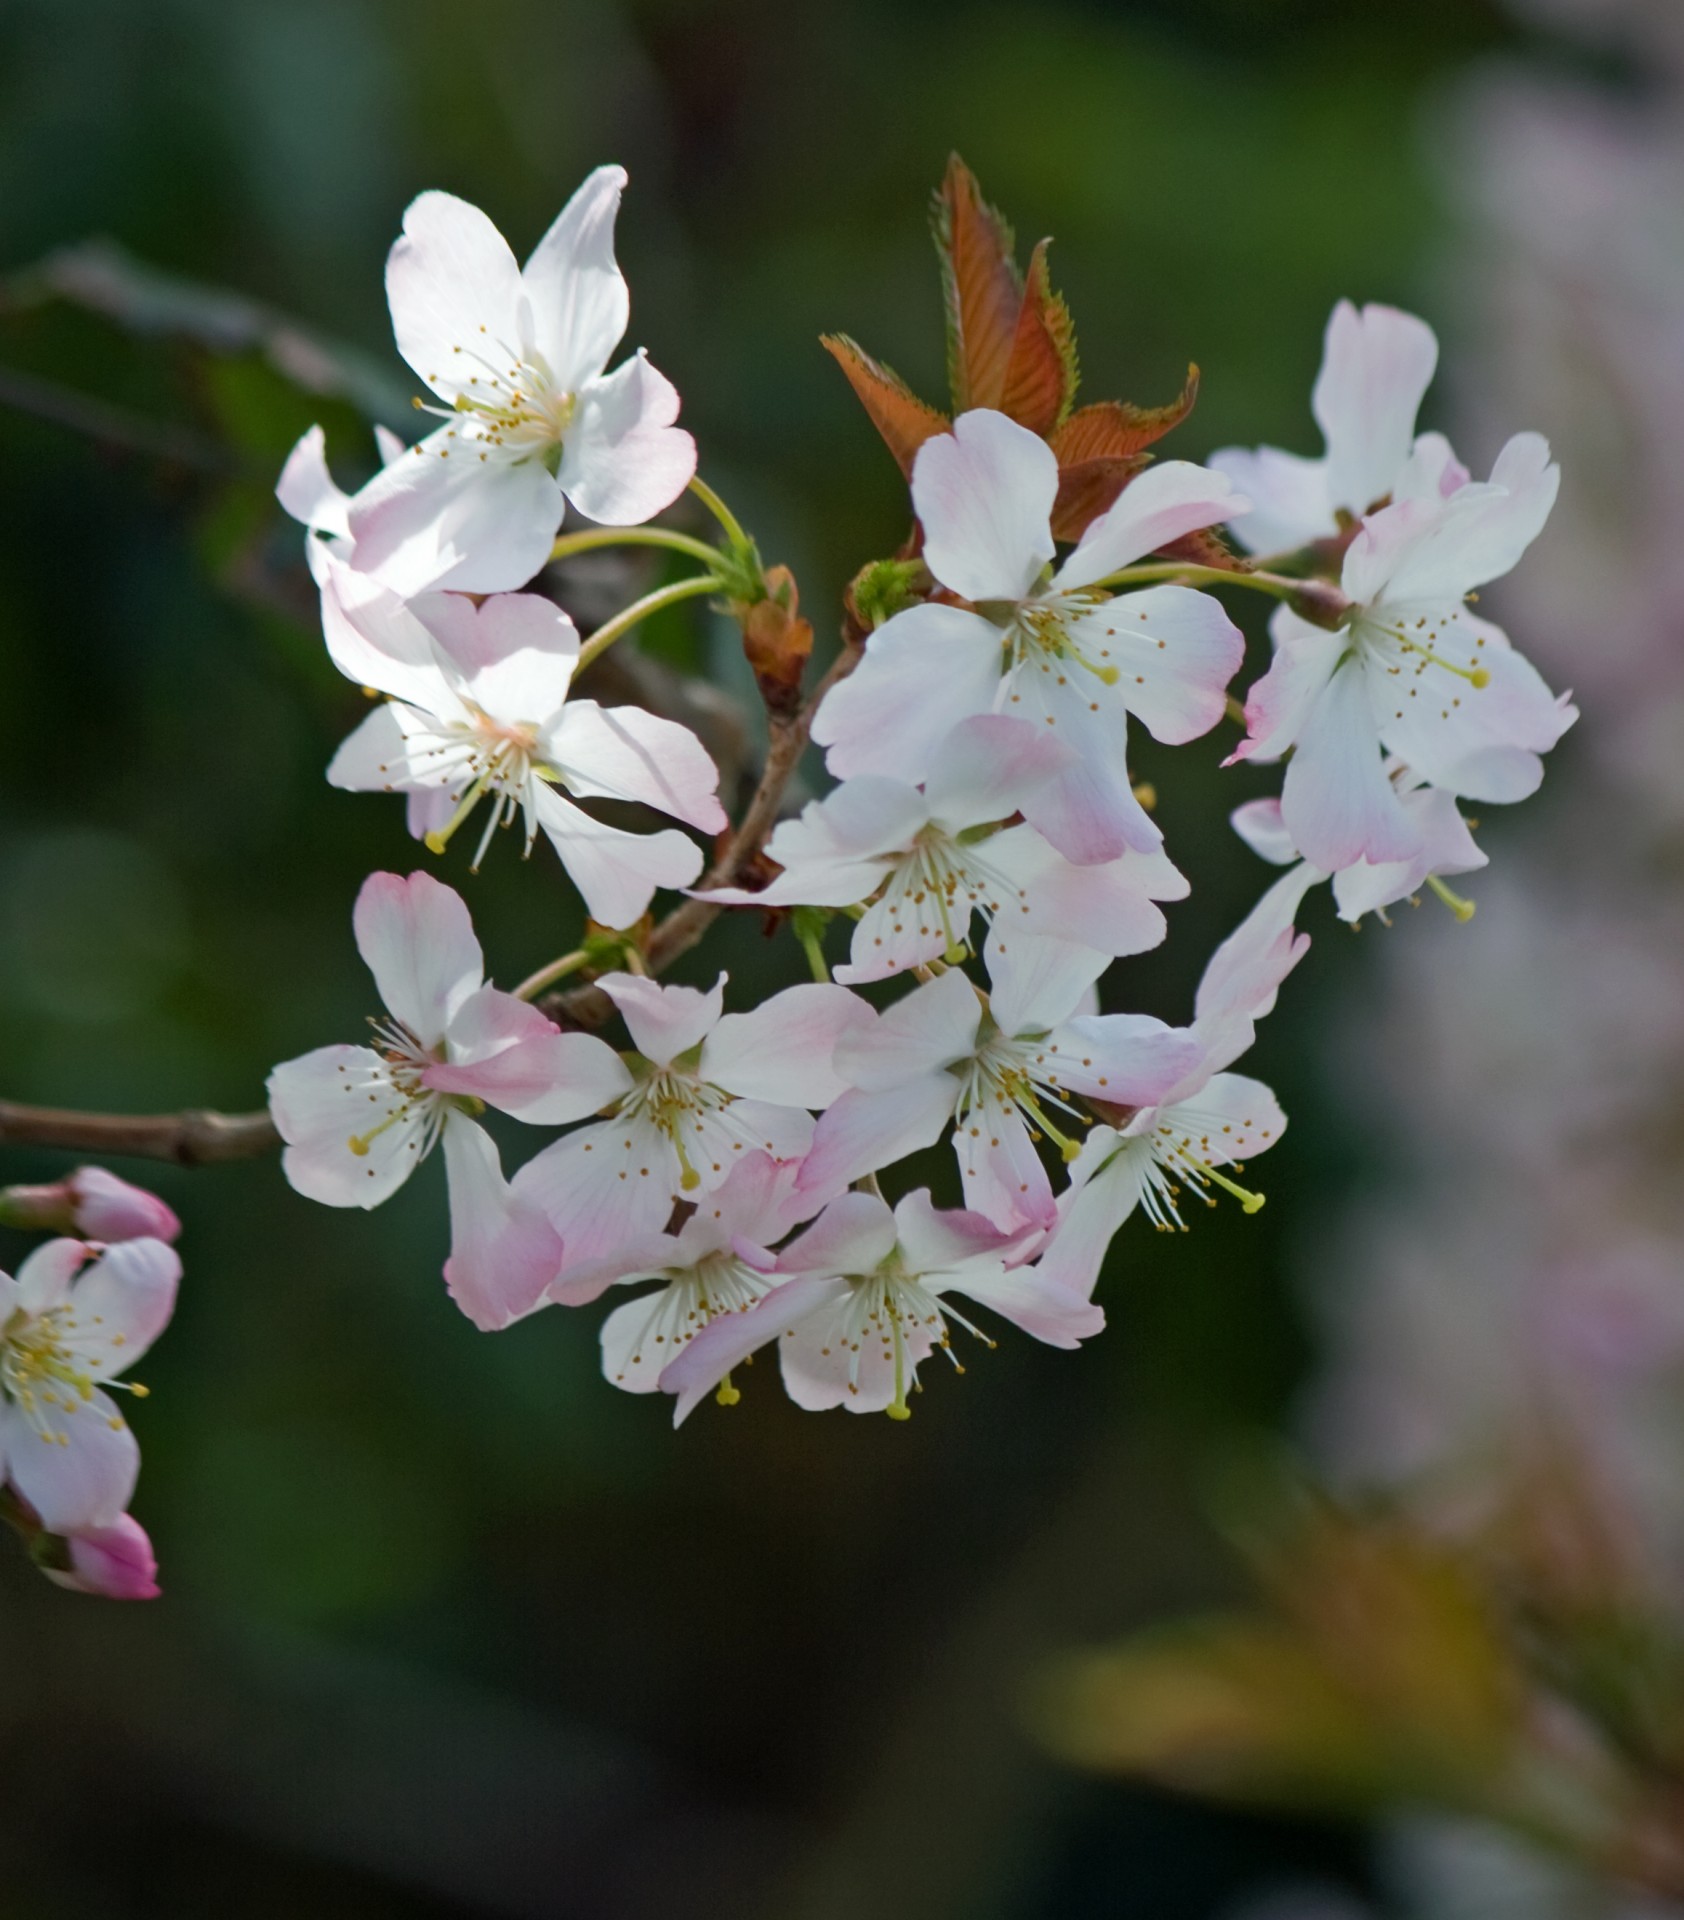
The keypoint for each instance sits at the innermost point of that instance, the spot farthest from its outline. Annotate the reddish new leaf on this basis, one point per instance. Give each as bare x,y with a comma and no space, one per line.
981,285
1113,429
1086,489
1206,548
904,420
1041,374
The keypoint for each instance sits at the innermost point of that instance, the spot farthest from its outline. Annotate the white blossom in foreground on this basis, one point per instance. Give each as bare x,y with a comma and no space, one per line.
921,864
1377,364
1055,650
479,711
720,1261
516,360
311,495
999,1067
1412,671
703,1089
867,1295
358,1120
71,1323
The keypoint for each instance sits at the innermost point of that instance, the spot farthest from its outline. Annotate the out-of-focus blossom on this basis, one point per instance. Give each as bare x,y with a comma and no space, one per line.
1051,648
865,1298
92,1204
479,710
71,1323
516,359
358,1120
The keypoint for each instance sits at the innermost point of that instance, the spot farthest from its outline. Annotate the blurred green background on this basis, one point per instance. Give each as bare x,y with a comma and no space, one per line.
450,1627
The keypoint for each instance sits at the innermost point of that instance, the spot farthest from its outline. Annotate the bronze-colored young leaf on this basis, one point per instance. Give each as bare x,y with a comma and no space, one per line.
904,420
1206,548
1086,489
980,282
1041,375
1114,428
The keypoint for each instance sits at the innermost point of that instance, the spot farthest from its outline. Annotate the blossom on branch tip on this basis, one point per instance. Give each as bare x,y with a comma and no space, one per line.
516,361
1412,671
113,1562
91,1204
358,1120
479,711
866,1295
72,1321
1050,647
921,864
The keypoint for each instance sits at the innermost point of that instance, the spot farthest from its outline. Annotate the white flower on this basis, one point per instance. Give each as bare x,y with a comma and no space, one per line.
1045,646
479,710
1376,365
516,359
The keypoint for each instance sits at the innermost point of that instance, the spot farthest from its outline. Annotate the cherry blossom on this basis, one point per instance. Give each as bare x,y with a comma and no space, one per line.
702,1089
1412,670
867,1296
358,1120
1377,363
91,1204
1001,1066
516,360
71,1322
114,1562
719,1262
311,495
479,710
921,864
1047,646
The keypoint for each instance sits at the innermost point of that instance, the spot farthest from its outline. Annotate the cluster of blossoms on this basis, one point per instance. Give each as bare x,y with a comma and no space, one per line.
983,836
81,1310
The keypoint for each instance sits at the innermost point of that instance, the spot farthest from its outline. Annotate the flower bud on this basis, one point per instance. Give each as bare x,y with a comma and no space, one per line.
114,1563
91,1204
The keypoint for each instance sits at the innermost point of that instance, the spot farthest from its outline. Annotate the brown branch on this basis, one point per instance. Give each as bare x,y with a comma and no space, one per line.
589,1006
196,1139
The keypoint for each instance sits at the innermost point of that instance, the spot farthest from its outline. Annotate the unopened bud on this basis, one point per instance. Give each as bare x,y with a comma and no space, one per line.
113,1563
91,1204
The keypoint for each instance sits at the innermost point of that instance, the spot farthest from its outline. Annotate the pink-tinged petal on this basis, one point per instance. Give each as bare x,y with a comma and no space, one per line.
43,1281
515,652
1480,532
1129,1059
454,290
506,1053
78,1467
1037,984
623,753
1089,811
987,766
1176,651
826,1363
503,1250
1432,471
445,517
1231,1118
576,292
1279,705
110,1209
1384,542
642,1338
1109,908
984,494
784,1051
308,492
376,640
858,820
922,671
428,810
942,1242
1157,507
1244,974
1037,1305
853,1235
121,1304
623,460
603,1189
1288,495
617,873
323,1102
1106,1185
1260,826
1336,801
717,1144
930,1028
728,1341
862,1131
889,939
664,1021
114,1562
1002,1174
755,1207
416,937
1446,847
1376,366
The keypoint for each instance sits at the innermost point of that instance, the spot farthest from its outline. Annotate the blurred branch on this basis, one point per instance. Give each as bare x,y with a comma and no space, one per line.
111,426
194,1139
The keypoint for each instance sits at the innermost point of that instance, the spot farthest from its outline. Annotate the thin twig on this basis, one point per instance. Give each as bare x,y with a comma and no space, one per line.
196,1139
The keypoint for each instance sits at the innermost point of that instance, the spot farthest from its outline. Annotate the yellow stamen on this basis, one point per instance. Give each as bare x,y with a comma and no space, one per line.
728,1395
1463,909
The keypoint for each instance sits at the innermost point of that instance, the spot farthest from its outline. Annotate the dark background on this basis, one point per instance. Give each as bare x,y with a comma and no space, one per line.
450,1627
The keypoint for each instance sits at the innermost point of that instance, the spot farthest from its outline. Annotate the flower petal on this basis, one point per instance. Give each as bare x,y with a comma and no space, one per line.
623,753
454,289
986,767
324,1100
1288,495
122,1303
78,1470
1176,651
862,1131
985,493
506,1053
503,1250
417,939
931,1027
728,1341
784,1051
576,293
1155,508
1376,367
623,460
1336,801
617,873
664,1021
854,1234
